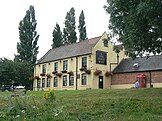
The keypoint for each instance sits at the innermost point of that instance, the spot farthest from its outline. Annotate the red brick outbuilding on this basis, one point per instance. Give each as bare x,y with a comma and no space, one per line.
126,73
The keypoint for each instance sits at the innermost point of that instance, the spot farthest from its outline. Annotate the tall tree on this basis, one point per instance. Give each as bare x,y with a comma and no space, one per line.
138,23
57,37
27,47
69,34
82,27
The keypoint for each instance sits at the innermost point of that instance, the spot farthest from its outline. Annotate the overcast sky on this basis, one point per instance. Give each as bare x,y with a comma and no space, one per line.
47,13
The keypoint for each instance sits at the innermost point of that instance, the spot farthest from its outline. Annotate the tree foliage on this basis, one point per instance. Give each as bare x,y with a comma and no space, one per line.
27,47
138,23
19,72
69,34
6,70
57,36
82,27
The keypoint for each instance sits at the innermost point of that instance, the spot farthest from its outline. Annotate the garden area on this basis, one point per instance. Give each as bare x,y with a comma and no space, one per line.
83,105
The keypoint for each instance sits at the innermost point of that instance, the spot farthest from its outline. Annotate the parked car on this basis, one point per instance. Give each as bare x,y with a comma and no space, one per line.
6,87
19,87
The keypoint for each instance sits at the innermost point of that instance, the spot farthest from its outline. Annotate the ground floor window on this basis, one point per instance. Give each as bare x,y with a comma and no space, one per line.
38,83
48,82
64,80
55,82
43,82
84,79
71,80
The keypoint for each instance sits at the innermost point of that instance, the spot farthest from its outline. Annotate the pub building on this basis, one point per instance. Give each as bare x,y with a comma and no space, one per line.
83,65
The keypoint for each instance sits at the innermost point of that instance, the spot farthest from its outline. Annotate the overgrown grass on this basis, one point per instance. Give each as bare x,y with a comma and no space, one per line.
84,105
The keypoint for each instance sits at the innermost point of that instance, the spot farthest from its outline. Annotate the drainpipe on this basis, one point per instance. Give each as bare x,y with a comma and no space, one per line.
117,58
76,73
117,61
150,78
34,79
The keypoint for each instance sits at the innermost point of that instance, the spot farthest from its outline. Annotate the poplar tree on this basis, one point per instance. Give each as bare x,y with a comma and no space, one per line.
27,47
82,27
69,34
57,37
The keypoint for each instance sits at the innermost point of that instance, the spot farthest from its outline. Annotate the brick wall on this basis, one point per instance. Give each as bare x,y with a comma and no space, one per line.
130,78
156,77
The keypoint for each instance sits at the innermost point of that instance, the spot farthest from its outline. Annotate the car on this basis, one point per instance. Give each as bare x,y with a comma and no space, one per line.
19,87
6,87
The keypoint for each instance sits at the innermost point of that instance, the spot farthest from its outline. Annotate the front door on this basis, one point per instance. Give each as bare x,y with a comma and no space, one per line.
100,82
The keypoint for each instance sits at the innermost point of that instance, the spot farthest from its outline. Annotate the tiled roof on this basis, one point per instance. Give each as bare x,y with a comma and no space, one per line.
72,50
140,64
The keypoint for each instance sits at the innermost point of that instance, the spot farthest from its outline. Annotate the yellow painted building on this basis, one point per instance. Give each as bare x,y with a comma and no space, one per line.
83,65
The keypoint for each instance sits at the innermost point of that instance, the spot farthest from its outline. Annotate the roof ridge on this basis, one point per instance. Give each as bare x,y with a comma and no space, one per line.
76,42
143,57
93,37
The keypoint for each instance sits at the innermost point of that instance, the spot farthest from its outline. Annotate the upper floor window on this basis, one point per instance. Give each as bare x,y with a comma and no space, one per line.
84,79
84,62
71,80
65,65
101,57
55,82
44,68
48,82
56,66
65,80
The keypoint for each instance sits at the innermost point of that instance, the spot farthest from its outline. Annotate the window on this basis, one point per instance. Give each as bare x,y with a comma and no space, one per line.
56,67
43,82
64,80
101,57
84,62
38,83
84,79
105,42
55,82
65,65
71,80
44,69
48,82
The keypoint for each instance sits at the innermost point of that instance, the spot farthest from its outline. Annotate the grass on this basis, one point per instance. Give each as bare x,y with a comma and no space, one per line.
84,105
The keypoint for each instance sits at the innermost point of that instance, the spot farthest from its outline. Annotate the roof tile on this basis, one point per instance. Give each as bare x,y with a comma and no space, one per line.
144,63
71,50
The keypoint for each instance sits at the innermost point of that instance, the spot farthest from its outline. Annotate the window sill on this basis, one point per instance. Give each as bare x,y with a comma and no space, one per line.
67,86
71,86
83,85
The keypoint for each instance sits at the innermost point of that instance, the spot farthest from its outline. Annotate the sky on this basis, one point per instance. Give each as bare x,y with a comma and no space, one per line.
47,13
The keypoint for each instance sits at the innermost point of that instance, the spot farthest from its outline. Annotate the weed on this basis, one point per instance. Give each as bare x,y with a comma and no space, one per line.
84,105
